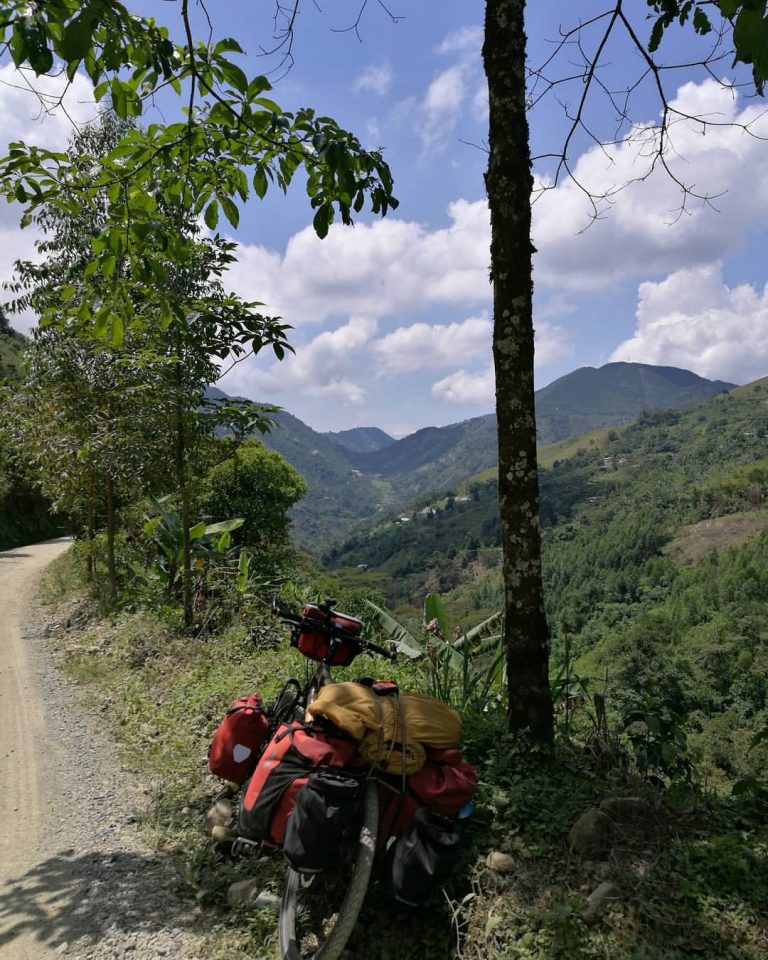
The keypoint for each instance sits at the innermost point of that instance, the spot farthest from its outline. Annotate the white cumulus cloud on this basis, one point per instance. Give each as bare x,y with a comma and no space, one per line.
389,267
442,108
423,345
478,387
641,231
377,78
321,368
465,387
464,40
692,319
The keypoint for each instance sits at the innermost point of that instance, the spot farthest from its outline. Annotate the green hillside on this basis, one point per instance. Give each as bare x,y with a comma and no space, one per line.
361,439
355,476
590,397
655,568
339,496
701,462
11,352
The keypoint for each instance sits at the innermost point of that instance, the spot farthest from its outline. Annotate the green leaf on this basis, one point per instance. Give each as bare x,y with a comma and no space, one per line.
118,330
119,99
230,211
260,182
108,265
228,45
225,526
701,22
77,38
657,33
212,214
235,76
484,629
198,531
320,221
434,611
404,641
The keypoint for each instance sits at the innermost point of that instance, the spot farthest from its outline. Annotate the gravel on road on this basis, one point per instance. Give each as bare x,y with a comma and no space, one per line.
76,880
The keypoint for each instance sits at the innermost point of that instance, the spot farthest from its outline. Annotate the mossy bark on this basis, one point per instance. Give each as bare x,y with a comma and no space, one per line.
508,184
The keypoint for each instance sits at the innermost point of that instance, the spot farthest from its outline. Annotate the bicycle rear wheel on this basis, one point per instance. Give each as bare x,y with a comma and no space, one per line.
319,912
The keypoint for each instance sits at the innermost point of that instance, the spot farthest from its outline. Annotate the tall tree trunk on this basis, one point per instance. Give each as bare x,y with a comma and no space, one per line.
90,522
508,183
111,568
181,479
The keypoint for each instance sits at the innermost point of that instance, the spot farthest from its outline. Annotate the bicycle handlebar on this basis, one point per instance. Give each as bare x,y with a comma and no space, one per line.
298,620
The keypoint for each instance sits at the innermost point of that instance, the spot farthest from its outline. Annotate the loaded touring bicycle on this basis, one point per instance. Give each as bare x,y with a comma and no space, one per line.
344,777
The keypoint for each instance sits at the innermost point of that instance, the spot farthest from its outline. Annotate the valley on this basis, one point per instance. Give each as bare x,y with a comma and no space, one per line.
351,486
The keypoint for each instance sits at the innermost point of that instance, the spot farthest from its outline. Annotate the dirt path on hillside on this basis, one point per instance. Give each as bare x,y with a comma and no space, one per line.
75,879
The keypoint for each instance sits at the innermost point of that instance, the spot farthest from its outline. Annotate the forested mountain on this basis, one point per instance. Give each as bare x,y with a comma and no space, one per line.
591,397
361,439
681,466
655,566
349,485
339,496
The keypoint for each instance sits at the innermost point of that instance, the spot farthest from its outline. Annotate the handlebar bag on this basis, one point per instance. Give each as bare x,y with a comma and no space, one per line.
294,753
316,644
238,739
422,858
327,807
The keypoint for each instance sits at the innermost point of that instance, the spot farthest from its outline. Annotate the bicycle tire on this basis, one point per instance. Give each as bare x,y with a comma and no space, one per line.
336,939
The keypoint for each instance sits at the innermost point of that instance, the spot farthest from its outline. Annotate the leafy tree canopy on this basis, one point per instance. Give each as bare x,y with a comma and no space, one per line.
258,485
233,142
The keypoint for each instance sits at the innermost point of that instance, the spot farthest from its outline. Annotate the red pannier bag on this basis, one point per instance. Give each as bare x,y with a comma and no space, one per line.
296,751
445,784
238,739
317,644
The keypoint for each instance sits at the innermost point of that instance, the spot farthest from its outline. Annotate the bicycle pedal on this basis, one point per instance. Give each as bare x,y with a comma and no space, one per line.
242,845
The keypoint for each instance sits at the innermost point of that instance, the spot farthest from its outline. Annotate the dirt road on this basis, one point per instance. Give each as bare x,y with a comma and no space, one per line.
75,879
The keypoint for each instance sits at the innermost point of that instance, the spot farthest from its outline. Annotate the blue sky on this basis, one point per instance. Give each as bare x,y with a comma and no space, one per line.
392,318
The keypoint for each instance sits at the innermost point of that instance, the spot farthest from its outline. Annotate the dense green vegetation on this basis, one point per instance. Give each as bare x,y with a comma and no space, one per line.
356,476
25,515
361,439
590,398
655,567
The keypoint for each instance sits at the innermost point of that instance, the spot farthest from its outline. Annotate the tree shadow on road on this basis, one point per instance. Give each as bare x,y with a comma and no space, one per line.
70,898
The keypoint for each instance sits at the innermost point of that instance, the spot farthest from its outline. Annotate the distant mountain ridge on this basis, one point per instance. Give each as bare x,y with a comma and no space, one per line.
350,485
593,397
361,439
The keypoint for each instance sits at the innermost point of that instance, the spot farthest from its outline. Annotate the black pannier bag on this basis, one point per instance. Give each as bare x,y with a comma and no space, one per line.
328,804
423,856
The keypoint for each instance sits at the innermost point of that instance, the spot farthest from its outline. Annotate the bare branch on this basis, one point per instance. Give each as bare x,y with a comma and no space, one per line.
589,66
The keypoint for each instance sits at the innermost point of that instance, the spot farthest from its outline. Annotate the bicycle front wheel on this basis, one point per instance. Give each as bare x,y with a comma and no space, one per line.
318,913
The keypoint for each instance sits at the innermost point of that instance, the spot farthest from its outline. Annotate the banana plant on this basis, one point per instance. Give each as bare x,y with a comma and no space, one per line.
165,531
460,666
